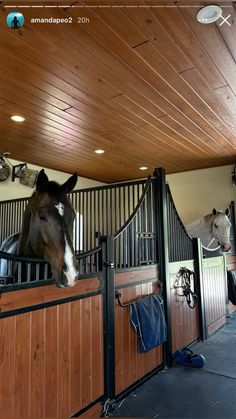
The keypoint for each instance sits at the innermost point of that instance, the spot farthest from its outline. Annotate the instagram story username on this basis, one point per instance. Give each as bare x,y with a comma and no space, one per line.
57,21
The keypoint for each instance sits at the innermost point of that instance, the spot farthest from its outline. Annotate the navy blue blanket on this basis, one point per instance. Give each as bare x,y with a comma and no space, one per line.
148,320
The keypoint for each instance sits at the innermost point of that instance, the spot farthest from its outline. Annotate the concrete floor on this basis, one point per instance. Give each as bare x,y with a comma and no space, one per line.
182,392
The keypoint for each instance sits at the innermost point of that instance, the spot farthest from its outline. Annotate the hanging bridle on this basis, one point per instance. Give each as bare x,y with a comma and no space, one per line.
184,275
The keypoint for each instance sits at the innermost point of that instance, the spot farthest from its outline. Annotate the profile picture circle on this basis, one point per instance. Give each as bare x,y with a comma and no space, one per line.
15,20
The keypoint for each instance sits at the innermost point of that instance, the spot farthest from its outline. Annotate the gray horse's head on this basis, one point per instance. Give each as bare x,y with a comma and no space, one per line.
221,228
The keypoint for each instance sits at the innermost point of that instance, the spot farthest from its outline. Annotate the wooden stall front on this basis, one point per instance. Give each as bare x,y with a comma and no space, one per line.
184,320
214,293
58,355
51,350
130,364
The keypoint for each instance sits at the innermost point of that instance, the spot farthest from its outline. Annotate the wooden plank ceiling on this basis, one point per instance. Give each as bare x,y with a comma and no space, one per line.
149,85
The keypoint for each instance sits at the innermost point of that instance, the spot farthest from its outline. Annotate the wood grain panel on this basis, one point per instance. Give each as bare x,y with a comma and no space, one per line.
214,288
139,67
185,321
227,97
22,366
76,362
160,38
119,22
180,30
48,356
185,94
212,41
37,374
51,363
130,364
130,276
7,351
18,299
97,348
64,356
197,83
109,83
231,262
86,354
229,35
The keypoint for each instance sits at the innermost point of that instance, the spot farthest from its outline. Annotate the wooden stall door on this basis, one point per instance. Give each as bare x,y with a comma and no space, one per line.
130,365
51,359
184,320
214,292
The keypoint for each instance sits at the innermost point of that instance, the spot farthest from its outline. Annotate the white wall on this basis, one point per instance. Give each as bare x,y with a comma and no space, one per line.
197,192
14,190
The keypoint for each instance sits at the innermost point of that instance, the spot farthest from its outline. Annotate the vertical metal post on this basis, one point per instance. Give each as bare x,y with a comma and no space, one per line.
233,227
198,268
109,317
226,287
163,255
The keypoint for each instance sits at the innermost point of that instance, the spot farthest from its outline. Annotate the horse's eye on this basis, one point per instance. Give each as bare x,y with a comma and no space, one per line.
216,226
41,215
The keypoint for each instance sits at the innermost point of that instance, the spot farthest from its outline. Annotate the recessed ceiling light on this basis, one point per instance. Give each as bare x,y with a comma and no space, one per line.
17,118
143,168
99,151
209,14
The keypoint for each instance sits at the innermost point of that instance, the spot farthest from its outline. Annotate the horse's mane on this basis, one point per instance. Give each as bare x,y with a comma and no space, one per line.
208,218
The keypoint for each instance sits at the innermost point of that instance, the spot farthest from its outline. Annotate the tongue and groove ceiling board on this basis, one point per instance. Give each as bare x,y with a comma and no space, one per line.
149,85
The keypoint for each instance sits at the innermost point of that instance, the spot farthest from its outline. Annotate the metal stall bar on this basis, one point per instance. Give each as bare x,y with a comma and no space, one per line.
108,290
163,254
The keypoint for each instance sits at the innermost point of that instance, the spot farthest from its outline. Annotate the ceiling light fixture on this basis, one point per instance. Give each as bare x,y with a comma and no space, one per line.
209,14
17,118
143,168
99,151
4,168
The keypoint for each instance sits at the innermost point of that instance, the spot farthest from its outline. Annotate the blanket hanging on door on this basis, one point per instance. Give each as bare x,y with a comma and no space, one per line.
148,319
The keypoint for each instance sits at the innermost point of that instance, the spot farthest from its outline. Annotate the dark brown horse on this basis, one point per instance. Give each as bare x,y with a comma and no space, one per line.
47,229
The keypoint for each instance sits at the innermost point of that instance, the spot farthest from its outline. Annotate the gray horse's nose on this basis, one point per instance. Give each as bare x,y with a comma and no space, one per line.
226,247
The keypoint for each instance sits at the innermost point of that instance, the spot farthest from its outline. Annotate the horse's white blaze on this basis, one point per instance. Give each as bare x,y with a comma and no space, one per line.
72,272
60,208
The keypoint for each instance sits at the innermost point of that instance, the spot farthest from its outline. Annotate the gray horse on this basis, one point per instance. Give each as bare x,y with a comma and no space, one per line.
213,230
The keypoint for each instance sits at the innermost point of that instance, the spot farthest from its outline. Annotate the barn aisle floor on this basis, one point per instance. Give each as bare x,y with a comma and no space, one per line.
182,392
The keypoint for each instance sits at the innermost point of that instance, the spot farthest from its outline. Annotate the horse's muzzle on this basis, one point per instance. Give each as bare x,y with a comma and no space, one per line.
225,247
62,280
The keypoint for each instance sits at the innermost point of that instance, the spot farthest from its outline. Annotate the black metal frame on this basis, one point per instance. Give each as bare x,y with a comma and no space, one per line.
163,253
108,289
200,288
104,257
180,243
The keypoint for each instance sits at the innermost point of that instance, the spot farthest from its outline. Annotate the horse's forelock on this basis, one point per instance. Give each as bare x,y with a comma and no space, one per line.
52,193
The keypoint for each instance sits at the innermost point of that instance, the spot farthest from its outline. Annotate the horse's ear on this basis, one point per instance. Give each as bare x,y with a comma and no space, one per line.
69,185
214,211
227,212
42,181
